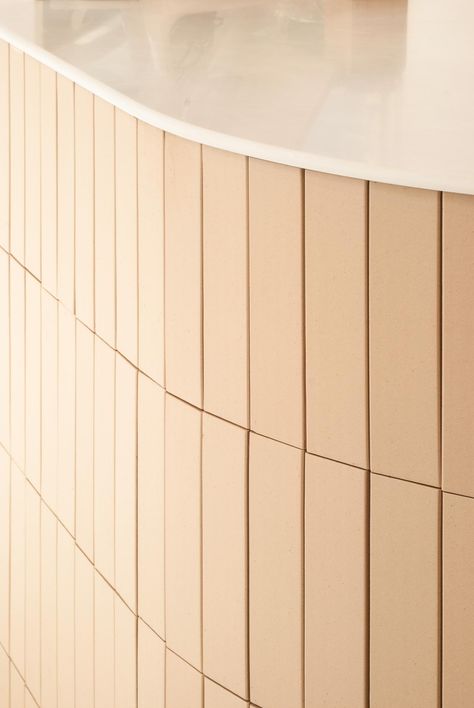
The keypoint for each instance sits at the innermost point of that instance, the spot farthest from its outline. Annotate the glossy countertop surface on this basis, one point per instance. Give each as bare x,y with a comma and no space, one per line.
376,89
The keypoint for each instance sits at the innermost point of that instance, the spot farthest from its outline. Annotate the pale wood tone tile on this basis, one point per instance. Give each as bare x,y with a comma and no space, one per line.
17,568
125,656
151,315
48,609
151,504
225,267
17,363
217,697
183,529
48,180
5,145
276,297
404,594
404,332
29,700
17,689
225,582
84,498
184,685
84,631
151,668
32,590
4,678
49,398
276,573
104,643
183,267
336,592
66,417
4,549
66,618
33,381
32,167
4,350
66,191
17,153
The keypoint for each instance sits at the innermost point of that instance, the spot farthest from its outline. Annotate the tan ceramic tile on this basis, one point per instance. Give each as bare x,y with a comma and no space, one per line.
4,145
32,167
66,618
48,609
276,573
336,317
84,498
126,480
66,191
336,592
4,350
4,674
151,668
404,594
183,264
32,593
33,380
4,549
17,154
104,245
17,568
48,180
49,398
225,584
125,656
17,360
151,252
217,697
276,301
183,530
225,266
183,684
404,332
126,234
17,689
84,632
66,416
104,643
104,463
151,504
29,700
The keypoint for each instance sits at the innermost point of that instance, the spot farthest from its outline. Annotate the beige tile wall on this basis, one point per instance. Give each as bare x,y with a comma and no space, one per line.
236,422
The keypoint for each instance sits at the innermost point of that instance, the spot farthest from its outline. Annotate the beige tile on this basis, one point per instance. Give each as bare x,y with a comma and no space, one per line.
404,332
66,416
84,632
126,481
224,528
84,498
49,399
29,700
17,360
183,684
183,530
151,504
225,266
32,166
5,145
66,618
126,235
4,350
49,681
151,252
217,697
33,380
4,549
104,186
32,591
4,674
336,592
276,573
404,594
151,668
17,689
48,180
125,656
66,191
104,643
104,464
458,343
336,317
17,568
276,301
17,153
183,264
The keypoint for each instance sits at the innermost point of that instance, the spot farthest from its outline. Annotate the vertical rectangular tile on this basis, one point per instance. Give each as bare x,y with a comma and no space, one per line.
104,643
17,568
17,363
17,689
125,656
4,677
336,592
104,464
32,590
183,267
66,617
404,332
126,235
183,684
183,529
276,301
4,350
224,528
225,268
126,480
84,498
151,304
66,416
217,697
48,180
151,504
5,145
33,381
404,594
104,219
17,153
458,343
66,197
4,549
151,668
84,631
49,398
276,573
29,700
84,175
48,609
32,167
336,317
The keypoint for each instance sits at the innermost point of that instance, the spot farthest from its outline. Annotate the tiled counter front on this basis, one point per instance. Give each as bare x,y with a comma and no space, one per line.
225,476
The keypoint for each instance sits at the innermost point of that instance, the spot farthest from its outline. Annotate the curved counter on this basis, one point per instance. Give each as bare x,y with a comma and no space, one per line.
236,354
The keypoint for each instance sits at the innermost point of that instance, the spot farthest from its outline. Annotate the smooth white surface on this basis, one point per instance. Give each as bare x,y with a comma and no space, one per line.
377,89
